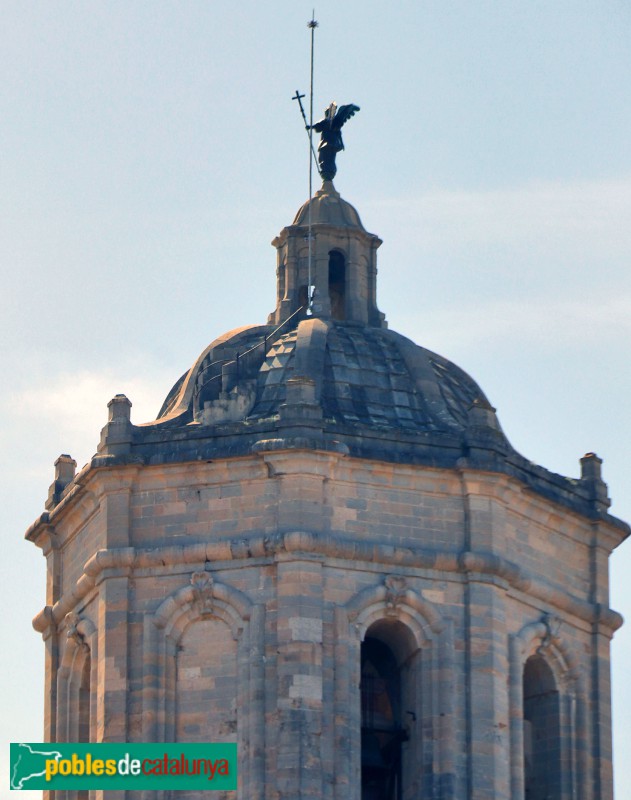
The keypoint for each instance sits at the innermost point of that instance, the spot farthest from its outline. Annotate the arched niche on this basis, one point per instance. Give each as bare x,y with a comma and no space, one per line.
391,633
203,651
206,683
77,681
549,717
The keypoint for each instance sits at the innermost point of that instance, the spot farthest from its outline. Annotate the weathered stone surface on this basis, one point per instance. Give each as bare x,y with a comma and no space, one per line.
220,572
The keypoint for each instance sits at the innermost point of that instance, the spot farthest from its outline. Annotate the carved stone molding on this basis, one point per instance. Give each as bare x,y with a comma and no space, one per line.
202,583
72,621
394,598
552,632
266,546
396,587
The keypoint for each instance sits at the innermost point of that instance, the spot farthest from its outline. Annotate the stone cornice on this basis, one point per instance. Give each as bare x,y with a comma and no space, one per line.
610,530
475,566
341,232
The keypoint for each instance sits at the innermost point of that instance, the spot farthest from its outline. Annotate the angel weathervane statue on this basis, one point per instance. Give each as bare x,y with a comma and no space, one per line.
330,130
330,145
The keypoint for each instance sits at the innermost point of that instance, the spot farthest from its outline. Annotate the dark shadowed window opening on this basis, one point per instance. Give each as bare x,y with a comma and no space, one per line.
542,732
382,731
337,285
281,281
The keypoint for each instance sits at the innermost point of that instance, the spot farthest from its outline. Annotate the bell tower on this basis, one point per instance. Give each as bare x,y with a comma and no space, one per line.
326,550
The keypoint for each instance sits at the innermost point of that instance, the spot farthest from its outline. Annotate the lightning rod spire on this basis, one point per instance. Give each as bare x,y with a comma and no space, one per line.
312,25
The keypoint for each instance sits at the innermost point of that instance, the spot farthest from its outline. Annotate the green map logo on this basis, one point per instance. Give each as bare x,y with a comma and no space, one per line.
129,766
29,762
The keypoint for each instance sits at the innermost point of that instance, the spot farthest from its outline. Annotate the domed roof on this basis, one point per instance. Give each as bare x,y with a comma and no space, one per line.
326,374
328,208
369,389
333,371
337,386
367,377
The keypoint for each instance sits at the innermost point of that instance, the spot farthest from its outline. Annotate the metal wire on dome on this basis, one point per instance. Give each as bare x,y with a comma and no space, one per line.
244,358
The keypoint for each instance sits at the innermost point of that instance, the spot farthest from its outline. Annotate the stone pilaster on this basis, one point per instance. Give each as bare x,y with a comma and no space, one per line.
487,715
600,694
301,494
299,679
486,656
113,656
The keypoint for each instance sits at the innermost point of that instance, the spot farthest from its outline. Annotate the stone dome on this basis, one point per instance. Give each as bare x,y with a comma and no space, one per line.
329,375
328,208
367,377
360,378
326,384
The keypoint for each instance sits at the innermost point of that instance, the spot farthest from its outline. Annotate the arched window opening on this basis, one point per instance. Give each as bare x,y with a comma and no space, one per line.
382,731
337,285
542,732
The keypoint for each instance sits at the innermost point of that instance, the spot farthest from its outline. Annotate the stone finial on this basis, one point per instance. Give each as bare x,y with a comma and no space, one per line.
591,476
482,414
119,408
65,468
484,443
116,436
591,467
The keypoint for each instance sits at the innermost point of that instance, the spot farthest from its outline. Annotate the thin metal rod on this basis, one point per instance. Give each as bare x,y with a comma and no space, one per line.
312,25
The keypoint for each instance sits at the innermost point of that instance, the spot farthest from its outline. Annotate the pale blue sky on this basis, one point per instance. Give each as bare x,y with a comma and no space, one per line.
150,151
